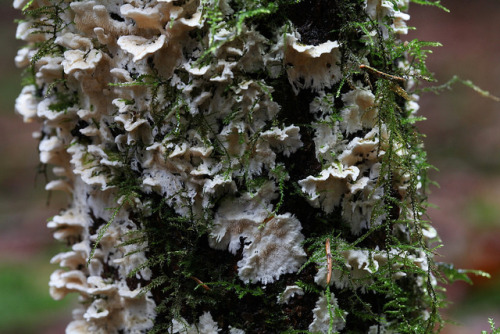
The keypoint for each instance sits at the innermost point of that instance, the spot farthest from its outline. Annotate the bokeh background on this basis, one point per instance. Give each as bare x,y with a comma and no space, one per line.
463,142
26,246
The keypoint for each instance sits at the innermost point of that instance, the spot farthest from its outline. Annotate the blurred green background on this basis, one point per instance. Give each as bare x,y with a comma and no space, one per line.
463,142
26,245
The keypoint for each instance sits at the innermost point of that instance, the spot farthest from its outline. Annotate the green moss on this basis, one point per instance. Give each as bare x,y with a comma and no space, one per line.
494,329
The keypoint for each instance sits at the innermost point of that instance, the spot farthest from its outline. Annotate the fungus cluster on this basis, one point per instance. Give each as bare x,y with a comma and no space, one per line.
221,112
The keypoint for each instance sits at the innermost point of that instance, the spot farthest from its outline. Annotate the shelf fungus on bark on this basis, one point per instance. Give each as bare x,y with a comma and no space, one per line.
212,144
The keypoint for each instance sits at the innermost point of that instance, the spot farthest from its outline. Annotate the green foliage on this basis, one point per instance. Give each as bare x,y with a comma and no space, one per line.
494,329
47,20
436,3
453,274
241,290
281,176
246,11
309,288
467,83
334,311
64,100
103,229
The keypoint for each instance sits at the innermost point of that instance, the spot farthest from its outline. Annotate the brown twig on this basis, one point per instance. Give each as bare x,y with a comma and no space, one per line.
381,74
203,285
328,262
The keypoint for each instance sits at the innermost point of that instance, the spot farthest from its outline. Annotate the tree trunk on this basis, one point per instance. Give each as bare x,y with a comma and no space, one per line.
245,166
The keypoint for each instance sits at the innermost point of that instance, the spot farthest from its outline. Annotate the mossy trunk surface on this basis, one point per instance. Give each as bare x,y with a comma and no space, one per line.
234,166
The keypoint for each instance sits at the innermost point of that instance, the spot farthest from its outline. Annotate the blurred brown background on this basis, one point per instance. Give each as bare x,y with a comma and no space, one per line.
463,142
26,246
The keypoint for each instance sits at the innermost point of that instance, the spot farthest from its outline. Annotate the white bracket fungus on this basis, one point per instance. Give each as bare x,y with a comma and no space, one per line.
323,318
290,292
311,66
188,106
141,47
271,243
327,189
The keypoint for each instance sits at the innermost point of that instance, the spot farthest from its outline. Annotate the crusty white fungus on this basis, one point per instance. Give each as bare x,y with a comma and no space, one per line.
51,150
379,10
23,57
365,149
286,140
82,327
429,233
206,324
26,104
88,166
141,47
89,15
60,185
327,141
19,4
360,111
272,251
327,189
225,71
290,292
49,68
325,314
146,18
27,33
312,66
400,22
80,60
181,196
97,310
73,259
380,329
63,282
271,243
360,264
358,205
74,41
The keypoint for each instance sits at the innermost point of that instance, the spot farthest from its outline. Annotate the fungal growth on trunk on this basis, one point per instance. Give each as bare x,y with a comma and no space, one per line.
210,148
